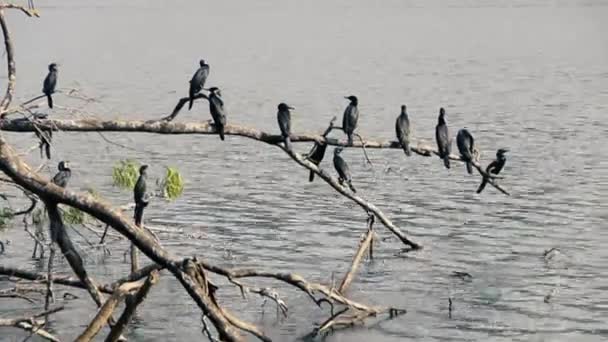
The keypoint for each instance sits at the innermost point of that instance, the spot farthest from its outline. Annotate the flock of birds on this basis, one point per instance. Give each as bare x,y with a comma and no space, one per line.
464,139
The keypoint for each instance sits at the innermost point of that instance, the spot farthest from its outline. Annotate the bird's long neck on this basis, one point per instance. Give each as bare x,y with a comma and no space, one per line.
441,120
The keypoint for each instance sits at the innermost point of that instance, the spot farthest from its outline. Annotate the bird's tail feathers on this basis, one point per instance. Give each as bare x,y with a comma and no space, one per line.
352,187
482,185
288,143
311,177
49,100
350,139
470,168
407,150
191,102
446,161
220,130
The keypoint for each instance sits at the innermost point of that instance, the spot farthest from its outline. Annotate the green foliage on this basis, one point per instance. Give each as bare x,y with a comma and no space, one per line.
125,174
6,214
173,184
75,216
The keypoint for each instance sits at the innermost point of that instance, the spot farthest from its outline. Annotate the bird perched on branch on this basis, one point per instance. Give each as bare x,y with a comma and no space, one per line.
50,83
442,135
350,118
139,194
494,168
316,155
342,169
198,81
63,176
466,147
402,128
284,120
216,107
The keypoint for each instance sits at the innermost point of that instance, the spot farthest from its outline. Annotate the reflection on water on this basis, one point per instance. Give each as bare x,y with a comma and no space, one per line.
527,75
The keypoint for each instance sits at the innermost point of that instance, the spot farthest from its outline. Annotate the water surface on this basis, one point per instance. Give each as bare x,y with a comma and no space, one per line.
528,75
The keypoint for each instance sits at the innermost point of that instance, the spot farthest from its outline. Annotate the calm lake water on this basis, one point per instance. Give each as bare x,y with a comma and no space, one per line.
531,76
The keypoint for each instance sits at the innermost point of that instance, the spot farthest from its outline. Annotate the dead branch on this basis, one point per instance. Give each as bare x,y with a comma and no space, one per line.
30,12
292,279
10,54
50,295
105,312
181,103
75,282
131,305
61,238
31,324
364,245
166,127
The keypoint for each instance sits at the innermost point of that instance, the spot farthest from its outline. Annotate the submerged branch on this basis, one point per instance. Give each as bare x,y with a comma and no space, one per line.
364,245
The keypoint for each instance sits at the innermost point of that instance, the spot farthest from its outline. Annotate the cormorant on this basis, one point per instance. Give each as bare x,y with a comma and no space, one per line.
216,107
402,128
342,169
466,146
139,194
284,119
50,82
316,156
63,176
350,118
198,81
442,135
495,167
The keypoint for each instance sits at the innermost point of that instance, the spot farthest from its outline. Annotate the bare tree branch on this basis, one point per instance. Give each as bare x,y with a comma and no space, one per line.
131,305
364,245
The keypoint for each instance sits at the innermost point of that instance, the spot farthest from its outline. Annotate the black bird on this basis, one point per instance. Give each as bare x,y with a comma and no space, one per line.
402,128
342,169
466,146
494,168
63,176
284,119
350,118
139,194
198,81
50,82
216,107
442,135
316,156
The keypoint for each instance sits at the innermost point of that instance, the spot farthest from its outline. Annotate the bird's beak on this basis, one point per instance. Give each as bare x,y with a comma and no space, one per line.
346,97
290,107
